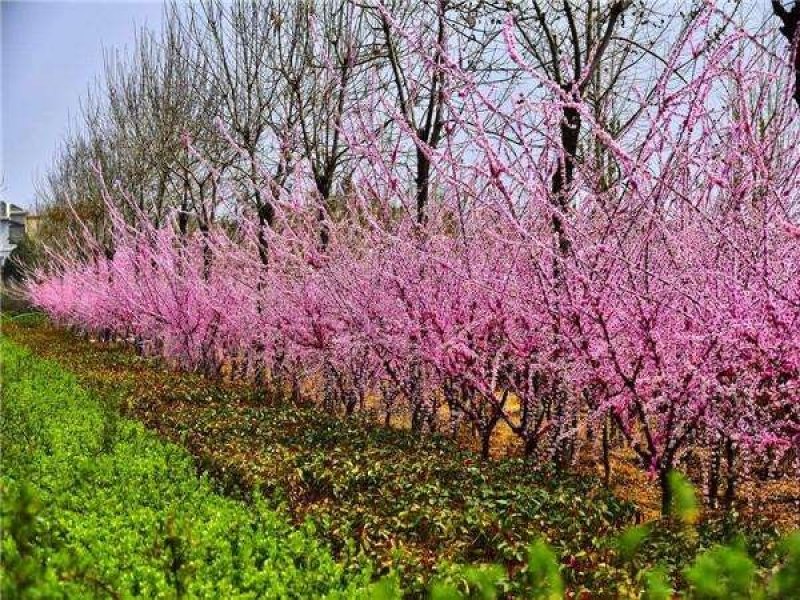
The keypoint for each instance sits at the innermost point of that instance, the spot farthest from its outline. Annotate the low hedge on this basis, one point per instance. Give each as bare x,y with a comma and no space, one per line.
94,505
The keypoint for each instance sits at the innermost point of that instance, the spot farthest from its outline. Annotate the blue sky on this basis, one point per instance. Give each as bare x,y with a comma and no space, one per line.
51,51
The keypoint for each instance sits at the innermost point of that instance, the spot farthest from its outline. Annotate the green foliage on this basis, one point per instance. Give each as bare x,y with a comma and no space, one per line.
543,574
408,503
786,582
418,509
114,511
631,539
25,256
722,572
474,583
25,570
684,502
386,588
657,586
542,579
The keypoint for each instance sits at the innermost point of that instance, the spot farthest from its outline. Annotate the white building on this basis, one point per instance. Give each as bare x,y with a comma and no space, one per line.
12,228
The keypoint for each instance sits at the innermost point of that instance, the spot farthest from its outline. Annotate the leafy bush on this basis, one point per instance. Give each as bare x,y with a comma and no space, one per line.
720,573
414,505
92,509
24,257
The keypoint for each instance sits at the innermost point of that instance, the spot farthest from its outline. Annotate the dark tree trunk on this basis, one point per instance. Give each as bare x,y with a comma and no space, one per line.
486,443
714,475
730,479
266,217
531,443
666,492
417,419
183,218
423,184
791,25
350,404
207,252
565,174
323,184
606,454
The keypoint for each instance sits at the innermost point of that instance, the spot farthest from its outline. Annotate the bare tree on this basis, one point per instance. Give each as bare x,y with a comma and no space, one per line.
243,47
325,81
413,43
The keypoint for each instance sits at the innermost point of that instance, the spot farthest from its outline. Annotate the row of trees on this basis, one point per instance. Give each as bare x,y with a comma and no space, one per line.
271,82
576,221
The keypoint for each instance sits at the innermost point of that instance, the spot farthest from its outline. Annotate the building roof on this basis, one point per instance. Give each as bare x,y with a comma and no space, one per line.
12,212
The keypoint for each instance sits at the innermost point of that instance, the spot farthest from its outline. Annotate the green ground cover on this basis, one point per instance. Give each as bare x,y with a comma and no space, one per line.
291,502
96,506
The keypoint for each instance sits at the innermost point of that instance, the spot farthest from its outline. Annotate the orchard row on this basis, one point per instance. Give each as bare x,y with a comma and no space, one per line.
584,275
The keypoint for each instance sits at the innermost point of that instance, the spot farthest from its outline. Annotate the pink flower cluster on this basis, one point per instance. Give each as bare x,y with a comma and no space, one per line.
673,313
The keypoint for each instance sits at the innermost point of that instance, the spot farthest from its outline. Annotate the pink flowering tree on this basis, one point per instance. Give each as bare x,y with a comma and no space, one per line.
489,266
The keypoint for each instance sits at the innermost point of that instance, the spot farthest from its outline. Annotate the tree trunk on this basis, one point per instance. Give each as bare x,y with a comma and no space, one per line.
266,215
713,476
606,454
730,480
486,443
323,184
565,174
423,183
791,25
531,443
666,492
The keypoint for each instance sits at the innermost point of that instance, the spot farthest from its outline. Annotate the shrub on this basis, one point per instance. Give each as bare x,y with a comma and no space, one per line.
92,509
720,573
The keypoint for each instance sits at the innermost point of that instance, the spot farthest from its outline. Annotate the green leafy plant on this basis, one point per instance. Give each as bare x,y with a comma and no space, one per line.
684,502
117,512
416,509
722,572
786,582
25,571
